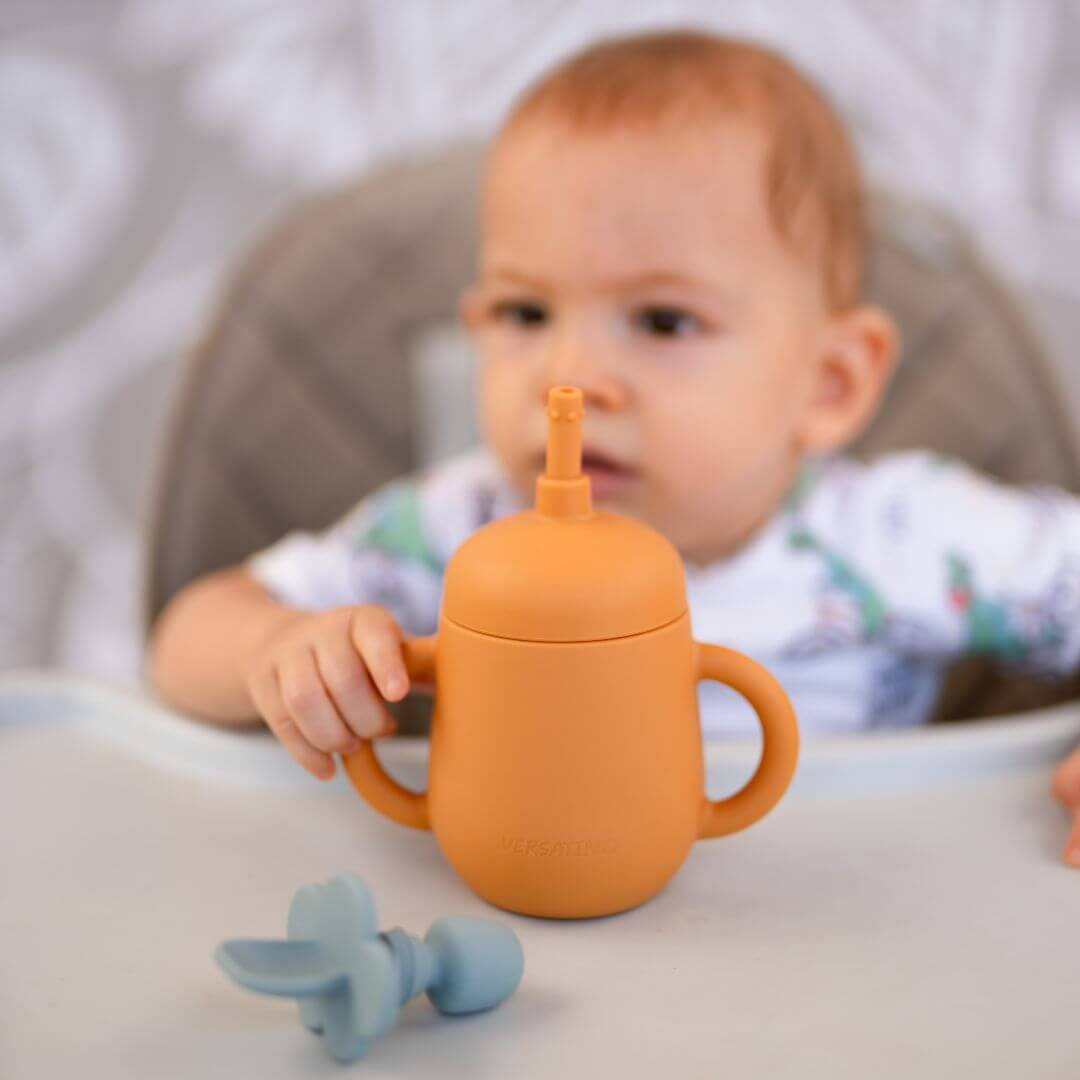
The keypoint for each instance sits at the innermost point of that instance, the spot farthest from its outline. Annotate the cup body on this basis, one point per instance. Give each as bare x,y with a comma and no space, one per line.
566,779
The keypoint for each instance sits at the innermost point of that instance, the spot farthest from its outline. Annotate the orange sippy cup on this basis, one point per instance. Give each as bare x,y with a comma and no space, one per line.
566,775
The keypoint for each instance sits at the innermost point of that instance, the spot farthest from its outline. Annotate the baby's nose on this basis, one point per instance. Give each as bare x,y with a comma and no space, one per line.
600,385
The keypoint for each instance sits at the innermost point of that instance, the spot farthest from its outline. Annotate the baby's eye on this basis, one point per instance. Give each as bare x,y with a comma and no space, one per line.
521,312
666,321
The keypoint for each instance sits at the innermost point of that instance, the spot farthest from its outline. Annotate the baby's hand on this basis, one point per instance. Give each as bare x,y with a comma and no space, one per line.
317,682
1066,788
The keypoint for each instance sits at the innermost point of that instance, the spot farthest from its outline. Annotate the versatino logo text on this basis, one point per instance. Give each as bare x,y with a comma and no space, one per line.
520,845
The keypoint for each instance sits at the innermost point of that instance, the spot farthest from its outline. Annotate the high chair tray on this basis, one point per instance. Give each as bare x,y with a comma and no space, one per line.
904,912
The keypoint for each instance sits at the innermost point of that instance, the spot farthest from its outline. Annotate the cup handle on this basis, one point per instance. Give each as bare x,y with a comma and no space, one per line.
780,739
362,767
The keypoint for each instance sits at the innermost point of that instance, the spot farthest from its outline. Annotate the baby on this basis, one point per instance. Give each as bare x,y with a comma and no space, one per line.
674,224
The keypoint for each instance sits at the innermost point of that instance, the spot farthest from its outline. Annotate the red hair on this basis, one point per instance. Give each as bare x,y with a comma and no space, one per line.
812,183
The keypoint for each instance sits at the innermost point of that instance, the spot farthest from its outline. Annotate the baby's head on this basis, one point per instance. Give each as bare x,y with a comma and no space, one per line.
674,223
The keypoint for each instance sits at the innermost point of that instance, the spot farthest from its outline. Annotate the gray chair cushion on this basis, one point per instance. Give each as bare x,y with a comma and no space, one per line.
298,399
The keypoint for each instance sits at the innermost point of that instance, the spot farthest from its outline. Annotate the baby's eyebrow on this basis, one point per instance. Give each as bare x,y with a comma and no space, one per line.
696,289
627,283
648,278
518,277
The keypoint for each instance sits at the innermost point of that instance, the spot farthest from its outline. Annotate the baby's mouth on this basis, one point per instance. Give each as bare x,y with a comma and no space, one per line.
607,475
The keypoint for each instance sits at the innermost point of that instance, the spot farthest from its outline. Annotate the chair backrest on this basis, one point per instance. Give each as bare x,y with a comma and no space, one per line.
301,395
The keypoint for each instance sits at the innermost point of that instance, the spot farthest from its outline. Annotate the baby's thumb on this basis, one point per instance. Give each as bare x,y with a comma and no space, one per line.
1066,788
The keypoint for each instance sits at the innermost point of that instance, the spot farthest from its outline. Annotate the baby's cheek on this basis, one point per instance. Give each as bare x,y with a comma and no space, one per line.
497,409
699,471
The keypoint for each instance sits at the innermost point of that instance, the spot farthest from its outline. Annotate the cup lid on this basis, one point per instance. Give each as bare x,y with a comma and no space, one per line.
562,570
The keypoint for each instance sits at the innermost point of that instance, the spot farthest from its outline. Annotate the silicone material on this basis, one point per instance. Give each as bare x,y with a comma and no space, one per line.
564,571
566,772
350,981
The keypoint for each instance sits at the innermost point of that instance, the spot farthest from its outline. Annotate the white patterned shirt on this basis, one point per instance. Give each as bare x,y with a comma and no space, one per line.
857,594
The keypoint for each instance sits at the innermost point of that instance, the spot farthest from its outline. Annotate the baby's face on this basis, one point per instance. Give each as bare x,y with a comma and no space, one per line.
645,269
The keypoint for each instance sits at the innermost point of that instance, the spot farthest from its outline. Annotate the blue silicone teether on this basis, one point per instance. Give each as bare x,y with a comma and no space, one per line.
350,980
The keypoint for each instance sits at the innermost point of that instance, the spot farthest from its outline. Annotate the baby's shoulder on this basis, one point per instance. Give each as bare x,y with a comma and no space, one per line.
459,494
915,493
840,482
473,480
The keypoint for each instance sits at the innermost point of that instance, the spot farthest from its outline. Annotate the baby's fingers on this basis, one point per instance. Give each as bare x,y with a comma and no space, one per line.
1066,788
350,688
309,706
265,692
1072,845
377,638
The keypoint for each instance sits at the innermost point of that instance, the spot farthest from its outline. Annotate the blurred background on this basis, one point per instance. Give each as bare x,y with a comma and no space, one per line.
145,144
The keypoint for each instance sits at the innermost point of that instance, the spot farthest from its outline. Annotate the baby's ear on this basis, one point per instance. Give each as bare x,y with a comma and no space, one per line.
853,365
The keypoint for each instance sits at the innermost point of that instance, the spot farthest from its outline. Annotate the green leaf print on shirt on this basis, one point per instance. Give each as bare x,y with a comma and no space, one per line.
989,629
843,577
397,527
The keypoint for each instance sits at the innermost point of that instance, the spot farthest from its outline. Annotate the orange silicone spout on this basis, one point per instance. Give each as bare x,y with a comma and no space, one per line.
563,490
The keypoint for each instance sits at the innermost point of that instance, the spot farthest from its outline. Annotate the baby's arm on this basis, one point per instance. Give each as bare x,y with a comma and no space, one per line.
225,649
204,641
308,632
